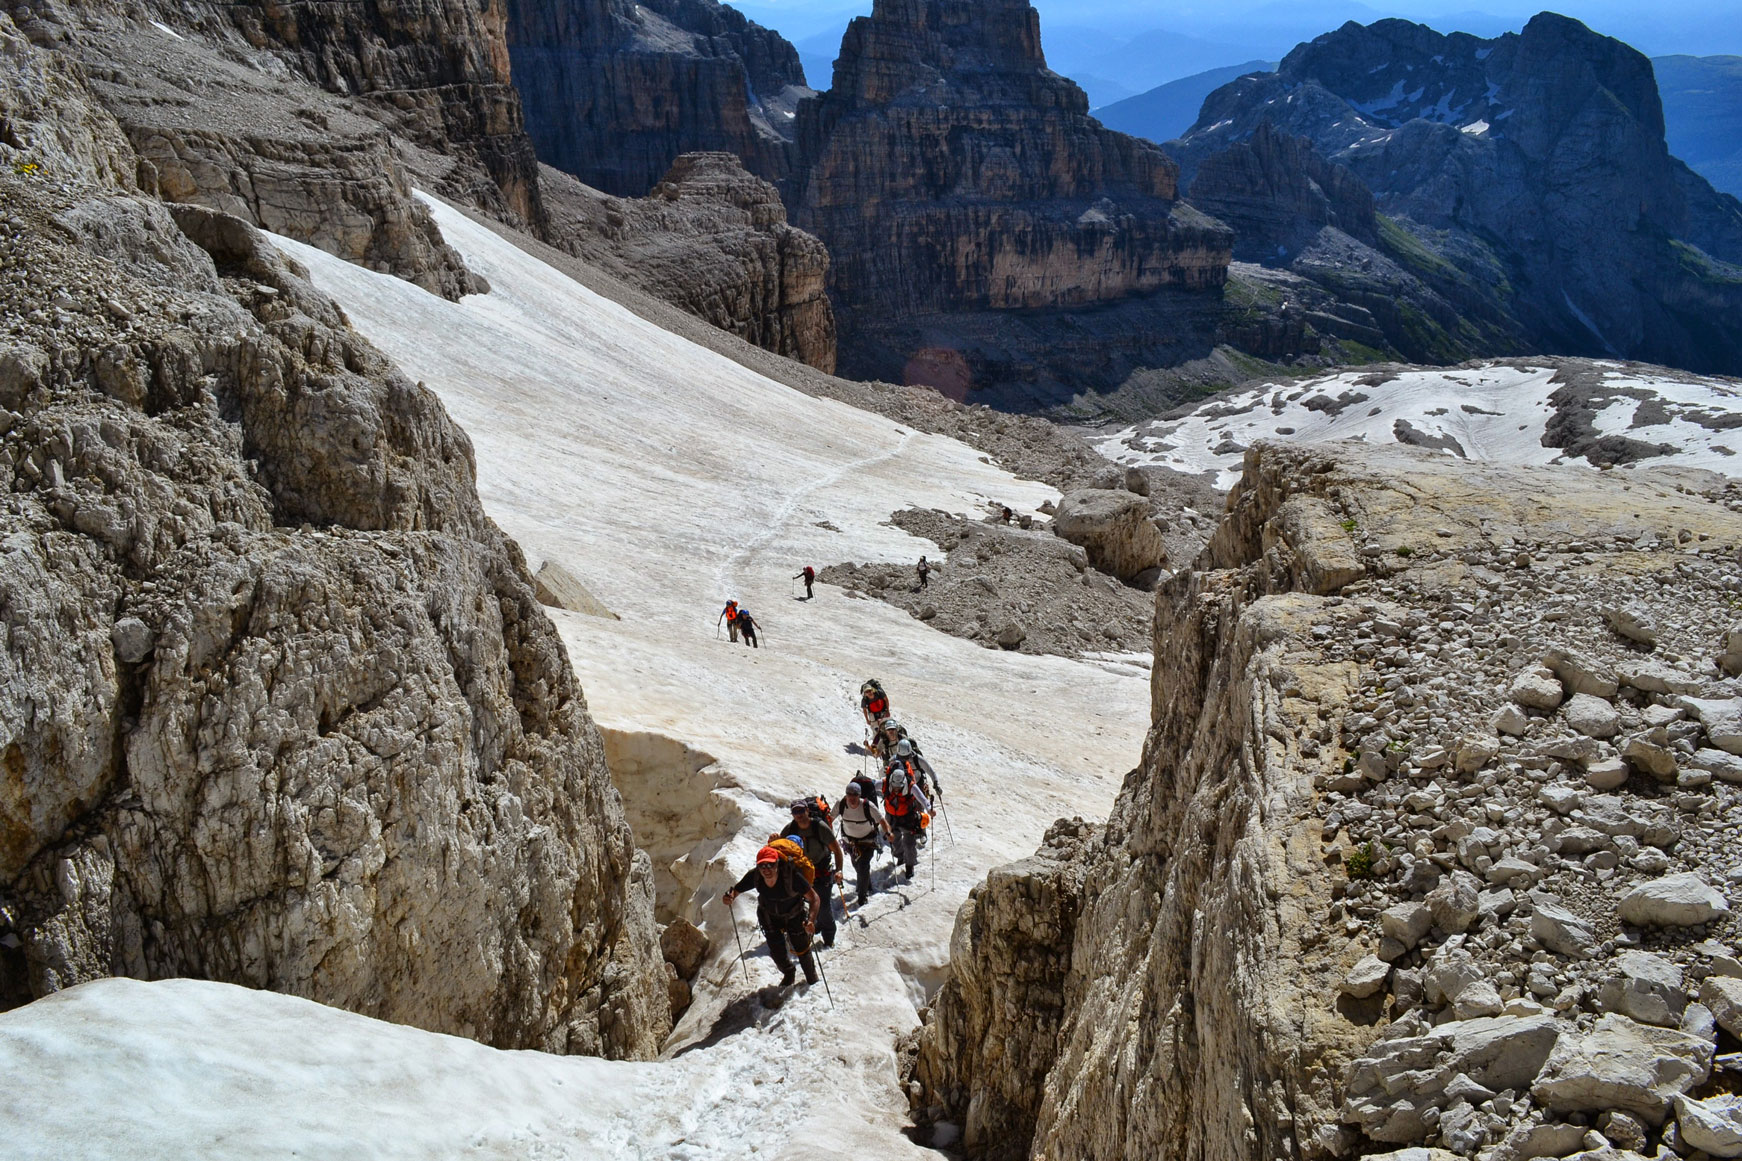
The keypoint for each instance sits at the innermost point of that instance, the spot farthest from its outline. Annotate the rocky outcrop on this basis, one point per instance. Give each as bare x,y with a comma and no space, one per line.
1114,527
615,91
1518,199
949,171
714,240
279,706
1321,920
1276,192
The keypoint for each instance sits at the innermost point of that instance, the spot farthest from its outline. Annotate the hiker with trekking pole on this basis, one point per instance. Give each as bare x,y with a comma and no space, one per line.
786,910
729,614
809,576
860,822
908,812
747,627
811,829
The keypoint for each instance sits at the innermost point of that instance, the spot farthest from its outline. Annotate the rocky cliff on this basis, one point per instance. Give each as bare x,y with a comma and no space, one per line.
614,91
1529,170
1432,840
950,172
714,240
288,118
279,706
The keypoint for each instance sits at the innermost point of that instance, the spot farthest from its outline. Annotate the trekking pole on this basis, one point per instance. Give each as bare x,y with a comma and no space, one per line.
933,848
944,810
818,956
740,940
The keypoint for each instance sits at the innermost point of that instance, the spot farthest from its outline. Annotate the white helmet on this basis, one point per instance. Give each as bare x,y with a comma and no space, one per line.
904,748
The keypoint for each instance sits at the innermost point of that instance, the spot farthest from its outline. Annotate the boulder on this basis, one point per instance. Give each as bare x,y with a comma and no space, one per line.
1114,528
1560,930
1650,757
1511,721
1719,764
1406,923
1591,716
1474,753
1606,774
1538,689
684,946
1547,1139
1011,636
1656,677
1448,974
1633,622
1723,996
1622,1064
132,639
1366,978
1673,901
1722,718
1647,988
558,588
1581,674
1454,903
1712,1126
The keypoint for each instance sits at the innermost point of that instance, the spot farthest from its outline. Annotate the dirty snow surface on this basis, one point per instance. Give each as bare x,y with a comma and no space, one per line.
1496,412
666,479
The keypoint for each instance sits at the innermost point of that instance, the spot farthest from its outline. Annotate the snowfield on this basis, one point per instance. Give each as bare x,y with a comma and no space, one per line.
667,479
1492,412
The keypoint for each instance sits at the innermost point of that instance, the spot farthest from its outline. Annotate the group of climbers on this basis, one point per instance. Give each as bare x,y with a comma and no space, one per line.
800,869
739,623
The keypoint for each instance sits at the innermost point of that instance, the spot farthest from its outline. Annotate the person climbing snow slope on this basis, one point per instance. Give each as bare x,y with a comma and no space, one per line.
786,909
820,847
747,627
729,615
907,809
873,702
809,576
860,821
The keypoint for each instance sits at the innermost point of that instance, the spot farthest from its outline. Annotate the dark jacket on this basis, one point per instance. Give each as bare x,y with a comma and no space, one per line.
786,896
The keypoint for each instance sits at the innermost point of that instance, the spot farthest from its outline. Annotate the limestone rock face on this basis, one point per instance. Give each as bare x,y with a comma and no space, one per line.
1114,527
714,240
615,91
1305,798
1005,964
218,124
283,710
948,170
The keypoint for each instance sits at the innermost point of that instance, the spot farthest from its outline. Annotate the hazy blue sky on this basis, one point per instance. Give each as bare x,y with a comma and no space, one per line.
1085,35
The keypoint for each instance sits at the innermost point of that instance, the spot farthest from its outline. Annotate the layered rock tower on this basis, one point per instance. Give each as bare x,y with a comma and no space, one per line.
615,91
950,171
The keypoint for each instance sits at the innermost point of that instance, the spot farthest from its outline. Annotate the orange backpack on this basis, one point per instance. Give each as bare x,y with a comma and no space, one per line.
794,854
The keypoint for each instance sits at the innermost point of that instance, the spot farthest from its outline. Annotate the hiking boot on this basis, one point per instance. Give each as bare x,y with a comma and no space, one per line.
787,975
907,874
809,962
828,941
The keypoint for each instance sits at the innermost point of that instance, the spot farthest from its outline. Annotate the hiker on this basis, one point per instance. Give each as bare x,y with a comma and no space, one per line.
747,626
782,900
809,576
924,570
908,811
860,822
884,737
907,750
813,834
873,703
1005,514
729,615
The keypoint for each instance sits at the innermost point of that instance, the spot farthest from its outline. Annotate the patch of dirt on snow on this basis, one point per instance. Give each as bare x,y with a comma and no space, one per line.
1006,587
